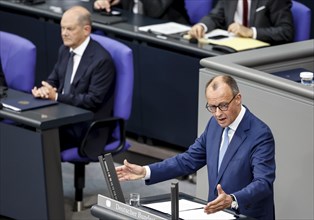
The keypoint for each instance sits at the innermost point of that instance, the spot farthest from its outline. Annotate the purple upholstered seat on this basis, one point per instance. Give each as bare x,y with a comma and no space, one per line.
123,60
302,21
18,58
197,9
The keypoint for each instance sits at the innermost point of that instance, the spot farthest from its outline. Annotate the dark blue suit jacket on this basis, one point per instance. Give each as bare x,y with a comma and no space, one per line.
271,18
2,77
247,170
92,89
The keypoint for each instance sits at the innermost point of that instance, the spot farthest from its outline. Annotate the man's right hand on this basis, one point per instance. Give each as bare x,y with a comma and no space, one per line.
240,30
130,171
105,4
197,31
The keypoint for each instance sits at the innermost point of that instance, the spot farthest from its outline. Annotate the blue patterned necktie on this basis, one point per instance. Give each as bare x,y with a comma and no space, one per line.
224,146
68,74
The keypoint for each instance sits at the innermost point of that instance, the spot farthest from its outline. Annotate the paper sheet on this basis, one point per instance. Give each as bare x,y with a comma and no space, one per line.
239,43
165,207
199,214
166,28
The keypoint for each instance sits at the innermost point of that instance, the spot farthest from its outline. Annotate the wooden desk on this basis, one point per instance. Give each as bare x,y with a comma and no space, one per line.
30,165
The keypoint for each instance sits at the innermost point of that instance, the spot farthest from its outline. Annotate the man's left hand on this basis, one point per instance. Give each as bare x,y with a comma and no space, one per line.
240,30
46,91
222,201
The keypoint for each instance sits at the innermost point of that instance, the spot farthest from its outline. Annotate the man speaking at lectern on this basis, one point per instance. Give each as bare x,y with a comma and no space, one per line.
238,150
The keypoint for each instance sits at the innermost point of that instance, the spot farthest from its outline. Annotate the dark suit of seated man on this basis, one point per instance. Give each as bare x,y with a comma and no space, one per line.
266,20
92,77
172,10
2,82
2,78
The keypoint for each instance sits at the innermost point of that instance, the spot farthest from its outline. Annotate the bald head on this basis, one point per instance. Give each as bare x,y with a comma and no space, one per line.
79,14
222,80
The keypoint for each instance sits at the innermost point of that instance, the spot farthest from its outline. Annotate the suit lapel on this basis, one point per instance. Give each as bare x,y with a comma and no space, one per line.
254,4
84,64
214,151
231,11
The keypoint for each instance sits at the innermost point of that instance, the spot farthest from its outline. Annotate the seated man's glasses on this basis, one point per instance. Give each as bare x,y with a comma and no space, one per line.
222,106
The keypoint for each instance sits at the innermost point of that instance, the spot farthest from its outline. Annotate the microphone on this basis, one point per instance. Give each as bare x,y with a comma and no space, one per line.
175,201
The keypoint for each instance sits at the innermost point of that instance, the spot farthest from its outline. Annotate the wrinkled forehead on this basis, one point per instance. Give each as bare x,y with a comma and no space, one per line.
69,18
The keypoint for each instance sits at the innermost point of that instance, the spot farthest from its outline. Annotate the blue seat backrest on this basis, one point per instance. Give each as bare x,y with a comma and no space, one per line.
197,9
123,60
302,21
18,58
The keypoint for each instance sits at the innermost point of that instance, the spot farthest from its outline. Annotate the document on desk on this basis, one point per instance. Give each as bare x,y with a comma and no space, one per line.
198,214
26,102
189,210
224,38
165,28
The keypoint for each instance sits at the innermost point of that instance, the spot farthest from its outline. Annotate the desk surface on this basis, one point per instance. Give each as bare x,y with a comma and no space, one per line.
166,197
46,117
38,150
129,27
155,60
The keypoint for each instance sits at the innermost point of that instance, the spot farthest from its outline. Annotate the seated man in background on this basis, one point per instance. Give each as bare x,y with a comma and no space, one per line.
266,20
172,10
88,83
238,150
2,83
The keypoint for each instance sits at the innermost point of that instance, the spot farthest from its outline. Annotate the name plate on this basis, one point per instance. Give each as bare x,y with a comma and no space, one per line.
126,209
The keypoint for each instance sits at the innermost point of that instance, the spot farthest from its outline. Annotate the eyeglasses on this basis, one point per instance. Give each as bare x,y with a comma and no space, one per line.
221,106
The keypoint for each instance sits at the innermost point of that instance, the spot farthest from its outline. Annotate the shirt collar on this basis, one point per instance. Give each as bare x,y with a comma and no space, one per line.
80,49
234,125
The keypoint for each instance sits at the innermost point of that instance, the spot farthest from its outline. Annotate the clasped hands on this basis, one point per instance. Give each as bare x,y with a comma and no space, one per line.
197,31
130,171
46,91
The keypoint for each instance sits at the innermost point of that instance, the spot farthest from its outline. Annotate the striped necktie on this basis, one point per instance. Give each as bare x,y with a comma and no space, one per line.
245,13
